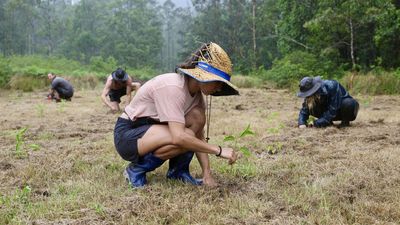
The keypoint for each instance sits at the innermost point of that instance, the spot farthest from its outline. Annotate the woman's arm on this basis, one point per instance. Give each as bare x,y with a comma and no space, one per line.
304,114
187,141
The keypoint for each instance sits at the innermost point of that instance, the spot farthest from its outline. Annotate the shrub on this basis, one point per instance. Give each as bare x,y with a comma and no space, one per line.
373,84
295,66
27,82
5,71
246,81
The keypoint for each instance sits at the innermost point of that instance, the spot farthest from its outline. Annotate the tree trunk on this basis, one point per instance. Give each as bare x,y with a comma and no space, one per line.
254,35
353,61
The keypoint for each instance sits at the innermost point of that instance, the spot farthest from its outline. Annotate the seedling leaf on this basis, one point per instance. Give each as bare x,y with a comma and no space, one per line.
246,152
229,138
247,131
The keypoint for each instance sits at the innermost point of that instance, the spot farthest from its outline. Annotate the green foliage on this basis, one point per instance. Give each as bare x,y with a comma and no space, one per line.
274,148
100,65
246,81
311,120
374,84
246,132
293,67
5,71
20,146
27,82
11,204
242,168
19,143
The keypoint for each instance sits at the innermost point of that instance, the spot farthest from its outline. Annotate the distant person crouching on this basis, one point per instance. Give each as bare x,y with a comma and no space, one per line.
60,88
326,100
118,84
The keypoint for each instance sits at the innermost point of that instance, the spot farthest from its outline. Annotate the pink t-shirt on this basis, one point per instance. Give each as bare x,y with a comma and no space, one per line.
165,98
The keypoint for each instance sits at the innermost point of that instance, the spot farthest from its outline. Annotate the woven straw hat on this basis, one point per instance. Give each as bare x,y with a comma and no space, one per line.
213,65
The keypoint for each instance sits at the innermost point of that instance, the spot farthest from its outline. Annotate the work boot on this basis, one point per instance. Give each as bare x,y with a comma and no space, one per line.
135,173
344,124
179,169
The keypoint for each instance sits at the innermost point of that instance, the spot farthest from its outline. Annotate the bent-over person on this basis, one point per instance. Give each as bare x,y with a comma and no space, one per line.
118,84
166,118
326,100
60,88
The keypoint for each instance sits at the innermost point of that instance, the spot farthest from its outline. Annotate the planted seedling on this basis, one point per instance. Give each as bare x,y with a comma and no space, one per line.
274,148
243,168
311,120
20,151
19,143
246,132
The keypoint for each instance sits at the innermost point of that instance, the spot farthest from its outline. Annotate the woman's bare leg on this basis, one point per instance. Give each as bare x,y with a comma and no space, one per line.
158,138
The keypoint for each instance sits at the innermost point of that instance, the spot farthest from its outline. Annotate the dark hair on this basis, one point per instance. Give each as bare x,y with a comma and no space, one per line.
191,61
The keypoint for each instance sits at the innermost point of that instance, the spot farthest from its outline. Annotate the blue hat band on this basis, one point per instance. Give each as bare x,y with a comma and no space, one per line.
206,67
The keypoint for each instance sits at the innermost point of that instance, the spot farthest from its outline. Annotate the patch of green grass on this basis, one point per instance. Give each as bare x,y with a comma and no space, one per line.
372,83
243,169
13,204
246,81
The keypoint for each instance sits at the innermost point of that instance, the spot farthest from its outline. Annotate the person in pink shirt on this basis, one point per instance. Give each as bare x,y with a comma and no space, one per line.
166,118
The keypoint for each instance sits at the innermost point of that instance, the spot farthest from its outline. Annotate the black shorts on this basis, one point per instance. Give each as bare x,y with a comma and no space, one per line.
115,95
126,135
64,94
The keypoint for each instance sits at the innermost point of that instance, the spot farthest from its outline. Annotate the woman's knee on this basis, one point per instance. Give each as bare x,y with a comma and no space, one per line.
195,118
349,109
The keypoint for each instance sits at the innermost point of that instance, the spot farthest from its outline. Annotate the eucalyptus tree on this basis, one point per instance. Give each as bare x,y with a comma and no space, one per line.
134,35
169,15
344,31
387,36
17,25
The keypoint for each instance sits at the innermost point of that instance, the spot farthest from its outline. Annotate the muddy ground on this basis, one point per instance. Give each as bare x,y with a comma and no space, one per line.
65,169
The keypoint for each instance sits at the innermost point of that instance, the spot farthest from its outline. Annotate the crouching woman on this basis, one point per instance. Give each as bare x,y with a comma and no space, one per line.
326,100
165,119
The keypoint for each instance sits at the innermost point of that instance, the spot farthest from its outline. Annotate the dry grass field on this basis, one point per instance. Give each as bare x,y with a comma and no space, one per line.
63,169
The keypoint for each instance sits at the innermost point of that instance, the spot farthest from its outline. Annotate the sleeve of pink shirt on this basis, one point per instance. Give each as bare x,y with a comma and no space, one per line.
169,102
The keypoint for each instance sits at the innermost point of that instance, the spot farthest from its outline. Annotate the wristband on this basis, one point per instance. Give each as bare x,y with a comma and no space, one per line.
220,150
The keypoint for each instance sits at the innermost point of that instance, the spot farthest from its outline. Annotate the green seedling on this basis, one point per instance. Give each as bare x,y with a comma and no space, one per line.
20,147
98,208
311,120
246,132
274,148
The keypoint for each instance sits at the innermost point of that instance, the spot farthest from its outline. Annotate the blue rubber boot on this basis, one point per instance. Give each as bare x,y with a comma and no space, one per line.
135,173
179,169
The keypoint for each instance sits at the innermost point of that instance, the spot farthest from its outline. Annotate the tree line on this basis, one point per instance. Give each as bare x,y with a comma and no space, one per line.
331,35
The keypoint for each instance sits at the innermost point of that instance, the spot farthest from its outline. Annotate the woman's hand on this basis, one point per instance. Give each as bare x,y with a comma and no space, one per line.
228,153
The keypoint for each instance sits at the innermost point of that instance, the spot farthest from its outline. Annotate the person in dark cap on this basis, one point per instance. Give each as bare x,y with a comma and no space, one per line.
118,84
60,88
326,100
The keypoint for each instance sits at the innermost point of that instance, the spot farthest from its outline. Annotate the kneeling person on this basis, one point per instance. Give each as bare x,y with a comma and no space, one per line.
118,84
60,88
326,100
